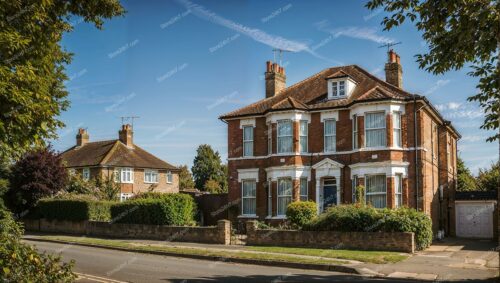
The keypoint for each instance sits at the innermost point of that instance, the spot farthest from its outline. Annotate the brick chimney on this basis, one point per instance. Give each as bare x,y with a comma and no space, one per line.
82,137
275,79
393,70
126,135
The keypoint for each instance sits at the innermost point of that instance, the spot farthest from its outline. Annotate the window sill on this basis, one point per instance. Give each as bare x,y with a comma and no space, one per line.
279,217
126,182
150,182
252,216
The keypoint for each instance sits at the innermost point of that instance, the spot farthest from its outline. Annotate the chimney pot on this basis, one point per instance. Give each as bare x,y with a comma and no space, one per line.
126,135
82,137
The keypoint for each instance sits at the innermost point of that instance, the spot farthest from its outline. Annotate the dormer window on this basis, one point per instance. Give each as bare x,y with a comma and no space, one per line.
338,89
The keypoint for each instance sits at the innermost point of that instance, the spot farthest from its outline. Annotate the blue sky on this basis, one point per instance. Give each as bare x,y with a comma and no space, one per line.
179,64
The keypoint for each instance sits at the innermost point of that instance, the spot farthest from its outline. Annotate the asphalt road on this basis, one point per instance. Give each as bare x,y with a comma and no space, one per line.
103,265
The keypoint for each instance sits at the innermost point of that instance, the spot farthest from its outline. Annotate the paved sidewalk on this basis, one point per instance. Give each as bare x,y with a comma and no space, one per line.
449,260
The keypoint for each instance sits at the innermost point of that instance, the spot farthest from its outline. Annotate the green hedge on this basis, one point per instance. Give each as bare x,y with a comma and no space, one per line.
156,209
74,209
301,212
368,219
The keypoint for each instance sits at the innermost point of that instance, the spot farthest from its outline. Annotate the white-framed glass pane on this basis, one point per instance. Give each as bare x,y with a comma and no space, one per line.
247,140
375,129
151,176
354,132
303,189
285,135
127,175
86,174
269,199
303,132
396,125
169,177
248,203
398,190
284,195
341,88
330,135
334,88
376,190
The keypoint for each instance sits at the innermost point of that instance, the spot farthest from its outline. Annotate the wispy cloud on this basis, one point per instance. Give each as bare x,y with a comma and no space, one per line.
439,84
258,35
365,33
448,106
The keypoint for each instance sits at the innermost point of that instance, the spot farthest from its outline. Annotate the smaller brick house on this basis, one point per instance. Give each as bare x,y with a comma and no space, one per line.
134,168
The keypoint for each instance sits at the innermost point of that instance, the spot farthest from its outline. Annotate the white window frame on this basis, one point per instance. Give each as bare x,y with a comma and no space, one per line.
280,150
125,196
248,141
376,129
304,136
127,175
86,174
355,131
367,194
169,177
398,195
303,182
396,130
117,175
254,182
333,136
337,89
278,197
151,176
270,198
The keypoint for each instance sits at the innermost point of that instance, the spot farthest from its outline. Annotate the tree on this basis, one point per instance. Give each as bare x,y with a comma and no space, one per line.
458,33
22,263
207,165
488,179
39,173
32,69
465,180
107,188
185,178
213,187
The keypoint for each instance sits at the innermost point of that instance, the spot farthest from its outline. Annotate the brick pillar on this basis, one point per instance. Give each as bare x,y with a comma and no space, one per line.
274,138
406,195
361,131
251,226
388,128
274,192
224,231
296,190
296,139
390,192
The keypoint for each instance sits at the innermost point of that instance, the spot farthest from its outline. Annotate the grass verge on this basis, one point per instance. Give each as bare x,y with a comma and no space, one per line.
363,256
192,251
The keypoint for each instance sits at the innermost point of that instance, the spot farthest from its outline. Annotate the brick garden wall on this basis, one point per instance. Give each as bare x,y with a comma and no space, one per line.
219,234
385,241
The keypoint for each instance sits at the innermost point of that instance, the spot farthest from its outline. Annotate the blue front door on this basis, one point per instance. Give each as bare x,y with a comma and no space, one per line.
329,193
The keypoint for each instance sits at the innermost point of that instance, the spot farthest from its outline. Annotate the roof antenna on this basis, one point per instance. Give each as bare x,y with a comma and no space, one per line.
280,53
389,45
129,118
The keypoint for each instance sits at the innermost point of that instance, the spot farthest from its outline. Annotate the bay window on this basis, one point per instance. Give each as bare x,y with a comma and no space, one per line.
303,189
303,132
247,140
248,195
375,133
398,190
376,190
285,136
284,195
330,135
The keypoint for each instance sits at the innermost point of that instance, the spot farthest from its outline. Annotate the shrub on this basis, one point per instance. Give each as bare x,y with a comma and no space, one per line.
301,212
77,185
74,209
360,195
156,209
368,219
36,175
22,263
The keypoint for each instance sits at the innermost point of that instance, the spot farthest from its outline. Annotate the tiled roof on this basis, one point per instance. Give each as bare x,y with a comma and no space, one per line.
311,93
112,153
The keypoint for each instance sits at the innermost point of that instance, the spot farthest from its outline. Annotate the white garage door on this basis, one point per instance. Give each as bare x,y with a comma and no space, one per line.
474,219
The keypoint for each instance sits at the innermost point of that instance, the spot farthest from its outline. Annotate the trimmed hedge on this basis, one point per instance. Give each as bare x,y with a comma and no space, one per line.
301,212
368,219
74,209
156,209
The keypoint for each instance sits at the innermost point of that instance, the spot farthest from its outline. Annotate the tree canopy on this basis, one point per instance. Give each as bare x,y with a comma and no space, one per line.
32,68
458,33
465,180
207,165
185,178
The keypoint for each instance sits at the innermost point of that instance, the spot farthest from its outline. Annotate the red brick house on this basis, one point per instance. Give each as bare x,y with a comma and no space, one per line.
134,168
342,127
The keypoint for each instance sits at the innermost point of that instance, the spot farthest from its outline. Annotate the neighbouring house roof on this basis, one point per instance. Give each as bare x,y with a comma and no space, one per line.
476,195
312,94
112,153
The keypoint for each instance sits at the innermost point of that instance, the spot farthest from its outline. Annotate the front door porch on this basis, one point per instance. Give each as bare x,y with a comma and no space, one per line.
327,183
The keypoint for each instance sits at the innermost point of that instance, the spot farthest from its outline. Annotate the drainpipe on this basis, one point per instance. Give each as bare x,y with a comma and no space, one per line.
415,124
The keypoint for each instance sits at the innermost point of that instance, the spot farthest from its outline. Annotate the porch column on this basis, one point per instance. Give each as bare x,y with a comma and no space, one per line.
390,192
295,189
319,205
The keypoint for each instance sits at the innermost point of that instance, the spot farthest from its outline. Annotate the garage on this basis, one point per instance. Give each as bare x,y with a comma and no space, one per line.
475,214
